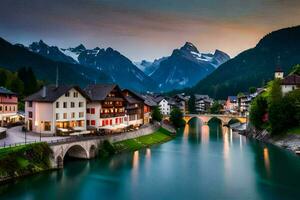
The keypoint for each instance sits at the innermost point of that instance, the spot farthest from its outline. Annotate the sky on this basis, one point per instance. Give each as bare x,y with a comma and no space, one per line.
146,29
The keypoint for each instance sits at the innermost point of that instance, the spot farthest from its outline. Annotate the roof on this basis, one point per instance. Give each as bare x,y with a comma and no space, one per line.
148,100
53,93
278,69
291,80
200,96
232,98
134,95
4,90
100,91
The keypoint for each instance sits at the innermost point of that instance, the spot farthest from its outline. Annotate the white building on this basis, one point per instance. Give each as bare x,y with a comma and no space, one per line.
290,83
202,103
56,109
163,104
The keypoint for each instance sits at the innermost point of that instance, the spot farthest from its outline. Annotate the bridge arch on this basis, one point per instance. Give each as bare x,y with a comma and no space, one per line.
195,118
215,119
92,151
76,151
233,121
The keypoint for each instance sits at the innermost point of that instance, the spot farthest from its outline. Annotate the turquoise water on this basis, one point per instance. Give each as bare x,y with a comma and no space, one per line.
201,163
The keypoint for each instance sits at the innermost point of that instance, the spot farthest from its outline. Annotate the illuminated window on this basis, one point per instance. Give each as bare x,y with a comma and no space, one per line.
65,115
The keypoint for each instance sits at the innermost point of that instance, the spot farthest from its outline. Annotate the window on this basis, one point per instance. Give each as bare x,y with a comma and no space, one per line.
87,110
73,115
93,122
80,104
0,108
65,115
5,108
30,114
88,122
81,114
57,104
75,94
29,103
67,94
72,104
65,105
92,110
57,115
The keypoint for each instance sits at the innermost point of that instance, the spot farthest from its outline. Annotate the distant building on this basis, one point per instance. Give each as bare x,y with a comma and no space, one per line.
149,104
8,107
181,102
278,73
244,102
231,104
164,105
290,83
56,109
203,103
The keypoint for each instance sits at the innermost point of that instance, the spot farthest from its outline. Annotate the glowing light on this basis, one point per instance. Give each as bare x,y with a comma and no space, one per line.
267,160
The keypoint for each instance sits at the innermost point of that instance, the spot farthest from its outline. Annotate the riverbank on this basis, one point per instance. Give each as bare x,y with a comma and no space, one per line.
287,141
160,136
24,160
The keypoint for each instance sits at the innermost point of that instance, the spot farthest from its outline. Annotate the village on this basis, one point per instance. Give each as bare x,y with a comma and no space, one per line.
57,110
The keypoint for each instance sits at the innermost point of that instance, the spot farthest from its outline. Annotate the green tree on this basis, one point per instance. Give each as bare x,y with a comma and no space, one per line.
258,109
4,77
215,108
252,90
156,114
16,85
296,70
29,80
192,104
176,118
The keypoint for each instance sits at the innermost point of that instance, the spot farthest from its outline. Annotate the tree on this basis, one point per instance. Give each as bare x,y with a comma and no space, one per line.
4,77
29,80
252,90
192,104
16,85
258,109
156,114
176,118
296,69
276,112
215,108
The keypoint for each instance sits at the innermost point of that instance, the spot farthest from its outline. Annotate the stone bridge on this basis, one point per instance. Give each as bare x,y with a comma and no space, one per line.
88,147
205,118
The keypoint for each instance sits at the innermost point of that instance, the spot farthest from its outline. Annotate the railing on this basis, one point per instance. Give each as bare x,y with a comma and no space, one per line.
4,145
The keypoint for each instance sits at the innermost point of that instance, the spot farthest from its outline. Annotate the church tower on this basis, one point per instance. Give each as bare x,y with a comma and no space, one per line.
278,73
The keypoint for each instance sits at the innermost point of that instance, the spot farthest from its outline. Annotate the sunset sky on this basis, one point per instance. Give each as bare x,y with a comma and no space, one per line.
146,29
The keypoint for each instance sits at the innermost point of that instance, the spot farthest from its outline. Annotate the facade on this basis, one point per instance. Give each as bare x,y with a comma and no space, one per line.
149,105
290,83
244,102
56,109
134,108
278,73
106,110
231,104
8,107
181,102
163,104
202,103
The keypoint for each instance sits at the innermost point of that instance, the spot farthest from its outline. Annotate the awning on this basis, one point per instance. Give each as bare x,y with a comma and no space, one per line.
119,126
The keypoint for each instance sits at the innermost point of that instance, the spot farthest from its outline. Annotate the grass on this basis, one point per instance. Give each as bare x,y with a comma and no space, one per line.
24,159
295,130
160,136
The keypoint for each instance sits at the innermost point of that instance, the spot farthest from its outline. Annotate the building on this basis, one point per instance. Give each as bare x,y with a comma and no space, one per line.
181,102
244,102
290,83
8,107
278,73
231,104
163,104
149,105
134,108
106,109
203,103
56,109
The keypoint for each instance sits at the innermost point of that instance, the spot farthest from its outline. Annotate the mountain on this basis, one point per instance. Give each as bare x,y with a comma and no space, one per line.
186,66
13,57
255,66
109,63
149,67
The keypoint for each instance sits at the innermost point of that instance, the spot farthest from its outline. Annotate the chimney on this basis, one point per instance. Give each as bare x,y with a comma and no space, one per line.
44,92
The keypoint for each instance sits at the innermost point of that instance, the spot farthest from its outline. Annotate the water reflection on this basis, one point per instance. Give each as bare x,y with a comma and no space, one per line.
205,134
267,161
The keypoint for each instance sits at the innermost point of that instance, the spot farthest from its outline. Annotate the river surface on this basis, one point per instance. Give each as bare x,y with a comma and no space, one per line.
203,162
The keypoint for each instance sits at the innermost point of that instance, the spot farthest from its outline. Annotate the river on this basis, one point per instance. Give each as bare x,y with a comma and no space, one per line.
203,162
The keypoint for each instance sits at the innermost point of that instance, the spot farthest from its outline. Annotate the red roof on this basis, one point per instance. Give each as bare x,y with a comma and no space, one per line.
291,80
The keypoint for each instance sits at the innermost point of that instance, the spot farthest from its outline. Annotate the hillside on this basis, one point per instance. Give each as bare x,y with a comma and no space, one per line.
254,66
